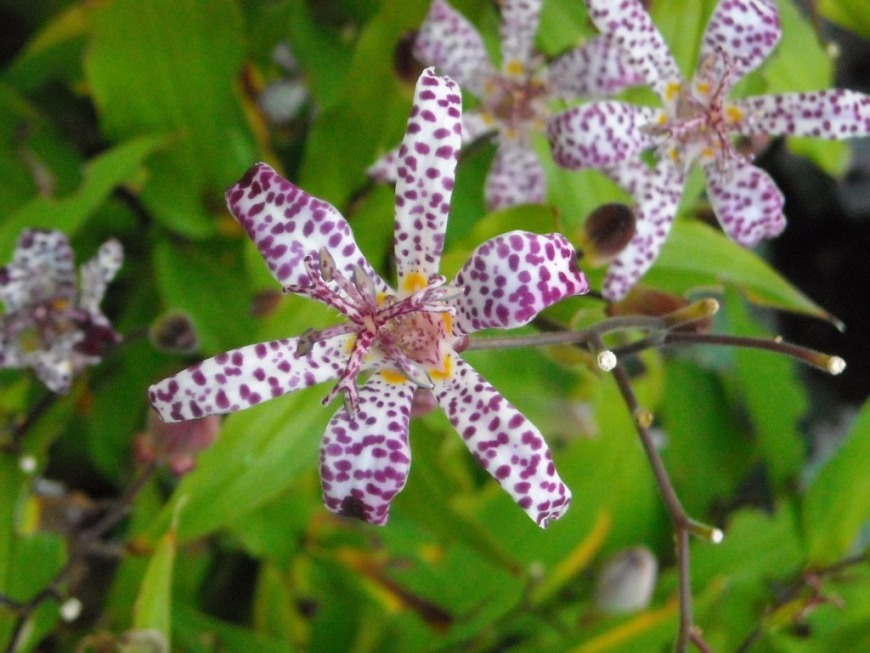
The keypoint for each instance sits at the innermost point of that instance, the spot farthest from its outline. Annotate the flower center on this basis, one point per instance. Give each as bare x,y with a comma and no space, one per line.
517,100
698,125
38,326
412,334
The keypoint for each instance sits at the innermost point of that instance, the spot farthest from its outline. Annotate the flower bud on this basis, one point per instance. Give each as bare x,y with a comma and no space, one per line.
607,231
626,581
175,444
173,333
673,308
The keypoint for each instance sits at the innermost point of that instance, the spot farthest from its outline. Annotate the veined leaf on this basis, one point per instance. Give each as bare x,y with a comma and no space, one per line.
697,255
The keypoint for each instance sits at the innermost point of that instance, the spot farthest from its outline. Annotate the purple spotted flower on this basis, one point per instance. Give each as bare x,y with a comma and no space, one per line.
406,339
696,124
52,324
515,100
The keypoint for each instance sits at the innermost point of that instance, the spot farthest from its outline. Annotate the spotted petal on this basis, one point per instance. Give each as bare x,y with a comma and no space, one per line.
739,37
656,192
516,177
519,24
596,69
97,273
646,51
425,174
287,224
504,442
43,267
511,278
365,458
746,201
832,113
384,169
600,134
447,40
246,377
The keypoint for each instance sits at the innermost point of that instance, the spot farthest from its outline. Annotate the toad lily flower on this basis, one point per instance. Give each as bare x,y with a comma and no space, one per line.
49,324
696,125
515,101
407,339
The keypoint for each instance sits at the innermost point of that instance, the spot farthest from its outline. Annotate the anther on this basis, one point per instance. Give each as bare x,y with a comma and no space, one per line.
327,265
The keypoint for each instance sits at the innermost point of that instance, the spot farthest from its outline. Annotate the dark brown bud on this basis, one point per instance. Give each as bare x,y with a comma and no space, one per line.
174,333
607,231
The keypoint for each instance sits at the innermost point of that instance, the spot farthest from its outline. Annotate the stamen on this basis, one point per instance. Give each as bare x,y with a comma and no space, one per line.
327,265
364,283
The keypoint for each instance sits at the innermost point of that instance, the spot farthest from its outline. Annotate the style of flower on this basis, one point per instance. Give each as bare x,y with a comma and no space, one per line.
49,324
408,339
696,124
515,100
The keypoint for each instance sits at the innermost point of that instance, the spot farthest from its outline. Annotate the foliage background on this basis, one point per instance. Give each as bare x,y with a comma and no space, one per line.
129,118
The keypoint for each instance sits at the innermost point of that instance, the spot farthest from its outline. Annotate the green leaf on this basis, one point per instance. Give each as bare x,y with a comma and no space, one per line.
195,280
854,15
104,173
837,502
168,67
697,255
152,607
260,453
775,419
682,23
706,454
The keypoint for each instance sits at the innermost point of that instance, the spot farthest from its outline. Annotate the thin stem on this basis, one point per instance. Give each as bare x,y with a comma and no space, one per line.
14,444
556,335
676,512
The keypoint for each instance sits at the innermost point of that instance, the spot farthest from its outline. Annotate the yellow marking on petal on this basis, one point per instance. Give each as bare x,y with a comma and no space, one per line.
672,90
707,153
391,376
514,67
734,114
487,118
673,154
349,345
447,320
662,119
703,87
445,372
380,299
413,281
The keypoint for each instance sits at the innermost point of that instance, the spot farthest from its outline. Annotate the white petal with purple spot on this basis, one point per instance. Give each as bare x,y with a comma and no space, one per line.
832,113
42,268
519,24
600,134
634,32
746,201
447,40
97,273
425,175
505,443
596,69
516,177
656,194
511,278
287,224
246,377
739,37
365,457
384,169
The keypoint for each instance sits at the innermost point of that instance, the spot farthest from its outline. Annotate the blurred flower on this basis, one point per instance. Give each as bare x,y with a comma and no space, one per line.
175,444
514,101
49,324
695,124
283,99
626,581
407,338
